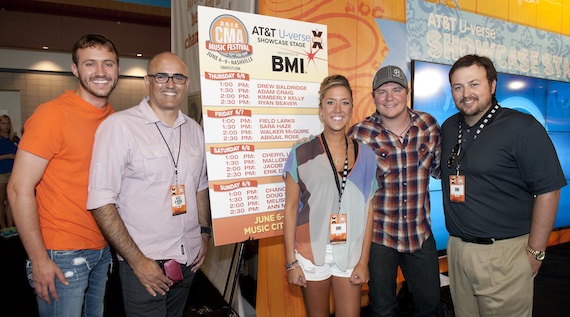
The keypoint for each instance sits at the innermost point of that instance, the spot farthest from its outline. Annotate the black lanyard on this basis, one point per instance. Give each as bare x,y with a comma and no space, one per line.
340,186
169,151
487,119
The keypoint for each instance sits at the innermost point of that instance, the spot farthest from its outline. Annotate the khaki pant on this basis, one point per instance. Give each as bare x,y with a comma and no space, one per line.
490,279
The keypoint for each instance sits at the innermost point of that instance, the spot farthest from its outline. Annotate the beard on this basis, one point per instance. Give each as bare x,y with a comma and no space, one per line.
478,107
97,92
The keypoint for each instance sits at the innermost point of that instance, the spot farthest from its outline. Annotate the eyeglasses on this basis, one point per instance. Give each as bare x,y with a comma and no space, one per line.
454,155
162,78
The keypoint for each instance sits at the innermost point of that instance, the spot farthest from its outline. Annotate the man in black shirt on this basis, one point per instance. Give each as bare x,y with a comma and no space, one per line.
501,182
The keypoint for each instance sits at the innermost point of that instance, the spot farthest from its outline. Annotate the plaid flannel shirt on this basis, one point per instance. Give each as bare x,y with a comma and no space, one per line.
402,203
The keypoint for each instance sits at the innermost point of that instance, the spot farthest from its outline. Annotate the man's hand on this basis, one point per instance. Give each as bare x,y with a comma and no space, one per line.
44,274
534,264
146,270
197,263
151,276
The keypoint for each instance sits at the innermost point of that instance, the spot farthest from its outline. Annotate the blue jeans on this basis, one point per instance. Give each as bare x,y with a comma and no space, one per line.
421,271
87,273
139,302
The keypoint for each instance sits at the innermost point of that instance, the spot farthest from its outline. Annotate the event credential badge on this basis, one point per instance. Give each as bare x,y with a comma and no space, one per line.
178,199
338,228
457,188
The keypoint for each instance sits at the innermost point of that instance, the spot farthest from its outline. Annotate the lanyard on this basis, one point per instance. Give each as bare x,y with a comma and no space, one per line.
487,118
169,151
339,186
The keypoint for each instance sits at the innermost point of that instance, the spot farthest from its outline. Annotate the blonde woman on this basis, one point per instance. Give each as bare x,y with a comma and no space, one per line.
8,147
329,183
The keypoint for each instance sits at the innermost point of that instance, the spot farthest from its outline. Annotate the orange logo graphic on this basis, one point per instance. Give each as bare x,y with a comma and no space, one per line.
229,37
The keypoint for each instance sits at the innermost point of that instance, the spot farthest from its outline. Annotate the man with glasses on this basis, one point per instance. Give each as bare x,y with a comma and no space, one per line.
148,192
407,145
501,182
69,259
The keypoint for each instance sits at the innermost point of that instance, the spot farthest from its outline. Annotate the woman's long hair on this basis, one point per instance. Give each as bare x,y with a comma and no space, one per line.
11,135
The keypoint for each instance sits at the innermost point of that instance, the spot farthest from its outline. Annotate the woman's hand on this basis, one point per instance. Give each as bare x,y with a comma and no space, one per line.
296,276
360,274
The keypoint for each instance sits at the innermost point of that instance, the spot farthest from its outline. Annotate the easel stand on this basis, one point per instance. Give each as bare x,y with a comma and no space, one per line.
230,311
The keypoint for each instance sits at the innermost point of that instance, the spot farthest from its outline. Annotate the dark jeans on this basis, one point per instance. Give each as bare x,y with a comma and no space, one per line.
421,271
139,302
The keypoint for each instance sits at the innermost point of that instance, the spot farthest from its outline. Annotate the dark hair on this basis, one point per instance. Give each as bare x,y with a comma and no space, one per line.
333,81
482,61
93,40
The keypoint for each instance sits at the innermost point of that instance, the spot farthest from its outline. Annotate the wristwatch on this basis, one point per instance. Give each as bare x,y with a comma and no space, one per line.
537,254
206,230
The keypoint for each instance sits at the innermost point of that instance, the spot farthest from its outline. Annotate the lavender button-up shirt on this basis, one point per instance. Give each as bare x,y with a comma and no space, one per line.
133,168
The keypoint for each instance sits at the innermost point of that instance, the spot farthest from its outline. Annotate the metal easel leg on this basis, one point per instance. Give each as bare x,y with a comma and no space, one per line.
236,276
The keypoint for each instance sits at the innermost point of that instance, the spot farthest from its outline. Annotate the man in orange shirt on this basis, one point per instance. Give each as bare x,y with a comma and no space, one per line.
69,259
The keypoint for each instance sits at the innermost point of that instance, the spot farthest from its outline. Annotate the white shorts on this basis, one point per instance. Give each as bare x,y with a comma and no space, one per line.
321,272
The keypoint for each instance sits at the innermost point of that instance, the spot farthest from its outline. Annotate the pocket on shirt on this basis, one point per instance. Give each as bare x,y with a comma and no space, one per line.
425,155
195,159
158,165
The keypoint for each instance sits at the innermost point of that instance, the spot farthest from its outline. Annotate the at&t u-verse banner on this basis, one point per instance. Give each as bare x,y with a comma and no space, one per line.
438,33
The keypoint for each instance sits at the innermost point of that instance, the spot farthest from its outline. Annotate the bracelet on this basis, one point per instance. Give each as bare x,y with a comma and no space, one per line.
292,264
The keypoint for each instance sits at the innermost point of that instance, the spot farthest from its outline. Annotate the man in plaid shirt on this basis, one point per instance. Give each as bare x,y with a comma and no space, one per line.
407,145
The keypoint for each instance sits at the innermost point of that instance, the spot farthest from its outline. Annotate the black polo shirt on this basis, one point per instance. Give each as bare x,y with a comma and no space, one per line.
510,161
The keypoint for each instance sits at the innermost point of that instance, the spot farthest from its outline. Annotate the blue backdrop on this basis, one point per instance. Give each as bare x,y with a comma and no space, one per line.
547,100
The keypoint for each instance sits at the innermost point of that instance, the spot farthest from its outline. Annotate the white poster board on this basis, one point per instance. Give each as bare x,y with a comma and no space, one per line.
259,79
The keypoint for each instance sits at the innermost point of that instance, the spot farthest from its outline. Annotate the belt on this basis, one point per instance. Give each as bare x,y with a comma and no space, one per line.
486,240
480,240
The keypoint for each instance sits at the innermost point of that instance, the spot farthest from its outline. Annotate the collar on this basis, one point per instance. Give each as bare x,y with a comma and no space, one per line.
378,118
495,102
151,118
